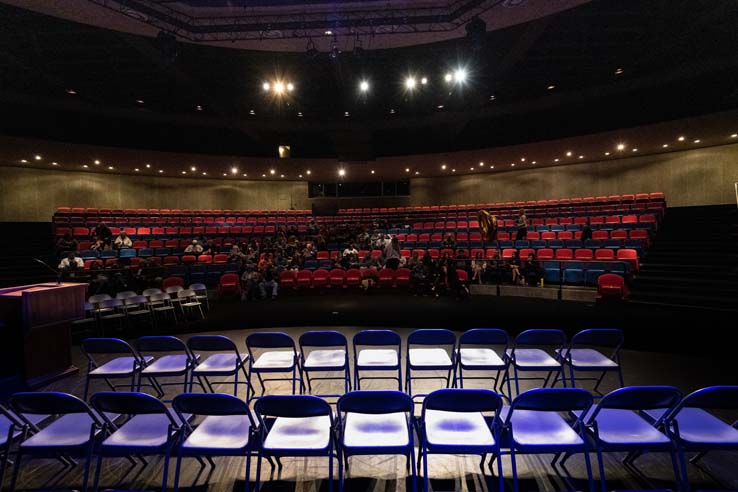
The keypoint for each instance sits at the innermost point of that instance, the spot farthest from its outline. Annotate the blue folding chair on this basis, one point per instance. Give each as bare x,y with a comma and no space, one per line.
478,351
225,427
430,356
150,428
616,424
375,423
453,421
531,354
126,365
177,362
11,427
273,361
382,354
580,355
224,360
72,433
325,351
295,425
534,425
695,429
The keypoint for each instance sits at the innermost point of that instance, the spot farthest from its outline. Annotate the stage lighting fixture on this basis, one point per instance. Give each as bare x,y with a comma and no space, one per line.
342,172
234,170
278,88
410,83
37,157
308,172
364,86
449,77
290,86
460,75
265,86
272,171
193,169
424,80
284,151
621,146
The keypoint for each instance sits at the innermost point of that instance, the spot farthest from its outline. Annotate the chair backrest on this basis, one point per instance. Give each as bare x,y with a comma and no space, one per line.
552,400
186,293
140,300
484,336
377,337
374,402
98,298
173,289
291,406
210,404
321,338
111,303
431,337
211,343
272,339
151,292
49,403
161,343
198,287
463,400
106,346
126,294
600,337
712,397
160,296
128,403
551,337
639,398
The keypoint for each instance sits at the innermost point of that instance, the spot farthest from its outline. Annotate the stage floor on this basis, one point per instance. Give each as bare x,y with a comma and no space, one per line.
447,472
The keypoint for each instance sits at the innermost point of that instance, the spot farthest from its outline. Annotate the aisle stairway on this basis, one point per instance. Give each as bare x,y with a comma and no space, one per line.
693,261
25,241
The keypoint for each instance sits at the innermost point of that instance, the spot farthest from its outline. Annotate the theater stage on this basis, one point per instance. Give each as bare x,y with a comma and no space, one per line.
388,473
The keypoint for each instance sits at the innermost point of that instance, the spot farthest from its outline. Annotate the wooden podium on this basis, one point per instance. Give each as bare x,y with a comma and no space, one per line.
35,325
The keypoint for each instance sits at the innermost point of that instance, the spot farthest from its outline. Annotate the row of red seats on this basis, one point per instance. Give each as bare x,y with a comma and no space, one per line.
172,211
594,220
337,278
626,198
115,219
170,231
531,236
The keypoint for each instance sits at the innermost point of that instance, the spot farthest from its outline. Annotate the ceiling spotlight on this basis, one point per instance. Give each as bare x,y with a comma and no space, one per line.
198,107
110,168
234,170
281,175
299,175
471,168
417,172
621,146
449,77
443,166
272,171
618,71
97,162
37,157
453,170
607,153
290,86
137,169
328,33
71,92
681,139
407,169
556,160
244,175
184,172
440,106
364,86
424,80
23,161
581,157
307,172
392,111
512,164
225,174
342,172
299,114
665,146
54,163
460,75
139,101
372,171
551,87
263,175
697,141
204,173
252,112
481,163
735,135
278,88
148,166
193,169
492,97
346,113
568,154
85,166
161,171
265,86
635,149
409,83
492,167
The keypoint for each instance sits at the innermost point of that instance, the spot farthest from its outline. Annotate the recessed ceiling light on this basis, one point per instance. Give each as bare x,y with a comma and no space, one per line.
453,170
234,170
137,169
407,169
735,135
308,172
161,171
281,175
635,149
492,167
110,168
410,83
140,101
522,159
299,114
607,153
417,172
193,169
556,160
621,146
54,163
533,162
665,146
471,168
85,166
618,71
346,113
551,87
328,33
252,112
97,162
424,80
568,154
481,163
23,161
244,175
263,175
581,157
443,166
148,166
492,97
299,175
225,174
37,157
342,172
440,106
372,171
184,172
71,92
198,107
697,140
364,86
681,139
272,171
290,86
512,164
204,173
265,87
392,111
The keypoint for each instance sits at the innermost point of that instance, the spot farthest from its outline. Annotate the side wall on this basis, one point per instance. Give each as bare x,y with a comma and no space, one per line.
697,177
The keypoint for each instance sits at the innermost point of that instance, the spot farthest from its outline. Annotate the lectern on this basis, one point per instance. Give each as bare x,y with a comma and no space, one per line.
35,329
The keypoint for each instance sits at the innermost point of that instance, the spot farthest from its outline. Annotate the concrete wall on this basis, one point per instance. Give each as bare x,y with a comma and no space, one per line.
696,177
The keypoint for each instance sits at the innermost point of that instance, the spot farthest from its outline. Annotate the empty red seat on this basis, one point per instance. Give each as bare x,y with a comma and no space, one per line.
612,219
304,278
508,253
611,287
565,235
630,256
320,278
220,258
583,254
337,277
402,277
600,235
156,243
629,219
322,255
548,236
603,254
188,259
619,234
287,279
353,277
229,284
533,236
140,244
524,252
564,254
545,254
207,259
386,277
171,260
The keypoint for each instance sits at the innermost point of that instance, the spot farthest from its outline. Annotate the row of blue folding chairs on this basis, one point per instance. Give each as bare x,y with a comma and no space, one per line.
482,354
580,272
558,421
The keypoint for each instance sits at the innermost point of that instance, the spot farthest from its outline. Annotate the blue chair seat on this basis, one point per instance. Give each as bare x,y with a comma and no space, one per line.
275,360
377,358
584,359
141,431
299,433
219,432
534,358
70,430
697,426
429,357
533,428
318,359
480,357
445,428
376,430
168,364
218,364
625,427
120,366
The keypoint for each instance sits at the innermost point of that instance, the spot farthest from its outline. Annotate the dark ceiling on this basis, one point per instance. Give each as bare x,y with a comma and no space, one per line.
678,59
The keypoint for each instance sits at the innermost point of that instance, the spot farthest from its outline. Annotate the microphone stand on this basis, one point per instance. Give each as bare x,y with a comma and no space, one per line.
58,273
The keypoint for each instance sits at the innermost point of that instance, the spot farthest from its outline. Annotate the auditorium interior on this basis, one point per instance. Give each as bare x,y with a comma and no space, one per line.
378,245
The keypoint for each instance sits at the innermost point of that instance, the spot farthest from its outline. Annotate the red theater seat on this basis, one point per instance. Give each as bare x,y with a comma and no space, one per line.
583,254
564,254
630,256
386,277
320,278
229,284
603,254
304,278
402,277
337,277
611,287
545,254
288,279
353,277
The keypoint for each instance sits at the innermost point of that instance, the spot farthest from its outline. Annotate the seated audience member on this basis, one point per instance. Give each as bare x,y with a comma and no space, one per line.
478,267
462,261
449,242
413,261
194,248
209,248
586,231
369,279
71,262
514,267
268,284
235,255
122,241
250,282
532,272
66,243
350,250
103,233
